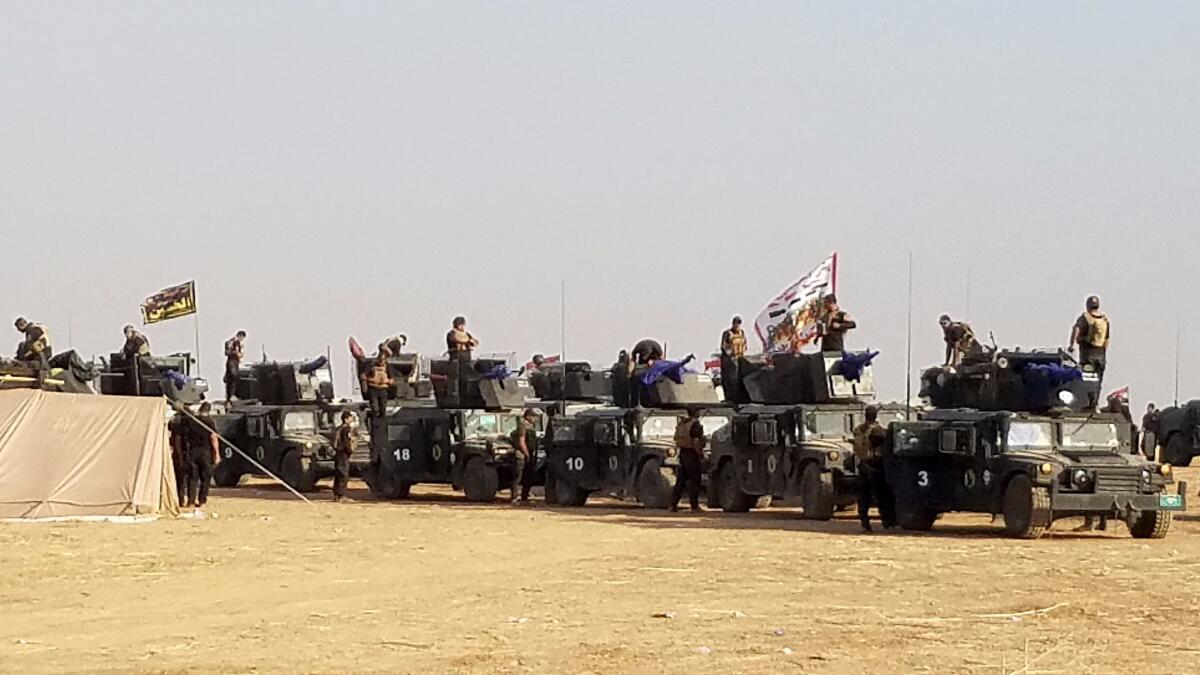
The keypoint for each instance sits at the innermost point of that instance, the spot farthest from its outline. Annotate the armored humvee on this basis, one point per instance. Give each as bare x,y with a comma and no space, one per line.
465,440
780,452
290,441
1179,433
793,435
1030,468
1003,379
620,452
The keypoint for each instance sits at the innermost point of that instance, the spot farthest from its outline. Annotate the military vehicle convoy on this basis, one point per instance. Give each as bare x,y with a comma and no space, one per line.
794,436
1014,453
1179,433
465,440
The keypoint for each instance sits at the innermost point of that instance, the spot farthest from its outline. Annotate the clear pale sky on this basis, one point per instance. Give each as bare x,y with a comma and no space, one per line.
327,169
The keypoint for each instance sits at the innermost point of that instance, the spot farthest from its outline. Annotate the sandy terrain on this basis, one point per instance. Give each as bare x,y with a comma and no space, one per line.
435,585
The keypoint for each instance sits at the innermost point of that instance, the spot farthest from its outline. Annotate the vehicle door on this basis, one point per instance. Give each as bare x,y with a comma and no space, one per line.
260,432
760,462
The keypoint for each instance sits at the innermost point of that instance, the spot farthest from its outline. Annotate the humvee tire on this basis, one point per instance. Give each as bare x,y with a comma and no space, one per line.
816,493
914,518
480,482
1176,452
384,488
730,497
654,487
297,471
1151,525
567,493
1027,512
225,476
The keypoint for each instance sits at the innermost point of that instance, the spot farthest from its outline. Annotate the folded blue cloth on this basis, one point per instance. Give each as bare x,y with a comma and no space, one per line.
673,370
498,372
853,364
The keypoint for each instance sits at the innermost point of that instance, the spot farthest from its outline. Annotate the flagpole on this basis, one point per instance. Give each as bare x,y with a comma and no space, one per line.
196,327
1178,334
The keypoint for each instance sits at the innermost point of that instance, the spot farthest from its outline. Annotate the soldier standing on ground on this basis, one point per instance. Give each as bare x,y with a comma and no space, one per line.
459,341
36,346
203,455
235,349
1150,425
524,444
179,451
869,438
344,443
1091,334
834,325
376,383
689,436
960,340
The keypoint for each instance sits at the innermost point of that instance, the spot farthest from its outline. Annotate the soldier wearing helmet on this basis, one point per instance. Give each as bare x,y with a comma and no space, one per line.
1091,334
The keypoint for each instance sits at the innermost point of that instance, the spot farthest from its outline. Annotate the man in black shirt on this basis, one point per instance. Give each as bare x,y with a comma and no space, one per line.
203,455
960,340
833,326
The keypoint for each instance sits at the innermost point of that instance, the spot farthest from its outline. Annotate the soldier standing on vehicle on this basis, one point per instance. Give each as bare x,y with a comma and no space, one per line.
834,325
459,341
393,345
960,340
376,383
733,347
136,344
621,385
1091,334
689,437
1150,426
345,441
203,455
36,346
869,439
524,445
235,349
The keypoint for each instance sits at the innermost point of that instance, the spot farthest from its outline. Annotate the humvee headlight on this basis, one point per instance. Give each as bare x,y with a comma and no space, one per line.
1080,477
1066,397
1146,476
1046,468
1165,469
914,441
834,455
308,445
1002,363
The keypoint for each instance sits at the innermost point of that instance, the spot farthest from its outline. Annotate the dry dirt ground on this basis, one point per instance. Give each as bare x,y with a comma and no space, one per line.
433,585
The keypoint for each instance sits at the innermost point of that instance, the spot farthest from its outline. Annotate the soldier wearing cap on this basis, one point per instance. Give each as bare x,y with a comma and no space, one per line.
834,325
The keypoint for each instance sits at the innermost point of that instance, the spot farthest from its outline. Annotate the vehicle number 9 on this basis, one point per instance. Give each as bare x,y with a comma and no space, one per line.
923,479
574,464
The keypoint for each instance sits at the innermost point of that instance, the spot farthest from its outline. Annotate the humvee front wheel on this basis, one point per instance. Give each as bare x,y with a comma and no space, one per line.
1151,525
297,471
480,481
567,493
915,518
383,486
1027,512
226,476
1176,452
729,494
654,487
816,493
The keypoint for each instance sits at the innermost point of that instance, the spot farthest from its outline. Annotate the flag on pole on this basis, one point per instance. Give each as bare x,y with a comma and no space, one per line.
170,303
789,321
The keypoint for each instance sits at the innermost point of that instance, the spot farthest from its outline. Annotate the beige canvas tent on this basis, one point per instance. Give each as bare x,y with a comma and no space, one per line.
78,455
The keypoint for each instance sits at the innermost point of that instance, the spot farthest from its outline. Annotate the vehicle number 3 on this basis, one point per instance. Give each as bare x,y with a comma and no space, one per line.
402,454
922,479
574,464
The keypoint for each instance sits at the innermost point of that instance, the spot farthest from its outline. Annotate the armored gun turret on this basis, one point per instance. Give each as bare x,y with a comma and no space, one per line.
574,381
168,376
286,383
1013,380
792,379
409,380
664,384
479,384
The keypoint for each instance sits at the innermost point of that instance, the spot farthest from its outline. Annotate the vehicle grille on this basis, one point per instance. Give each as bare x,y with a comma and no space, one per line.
1118,480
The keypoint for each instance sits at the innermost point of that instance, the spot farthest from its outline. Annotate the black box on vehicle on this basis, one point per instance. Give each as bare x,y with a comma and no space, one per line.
483,383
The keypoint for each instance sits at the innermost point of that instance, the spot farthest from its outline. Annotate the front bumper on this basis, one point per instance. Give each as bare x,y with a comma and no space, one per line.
1119,504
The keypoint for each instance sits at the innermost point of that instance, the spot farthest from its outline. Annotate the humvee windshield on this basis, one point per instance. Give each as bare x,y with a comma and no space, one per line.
825,424
1091,435
1024,435
711,423
299,422
490,424
660,428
